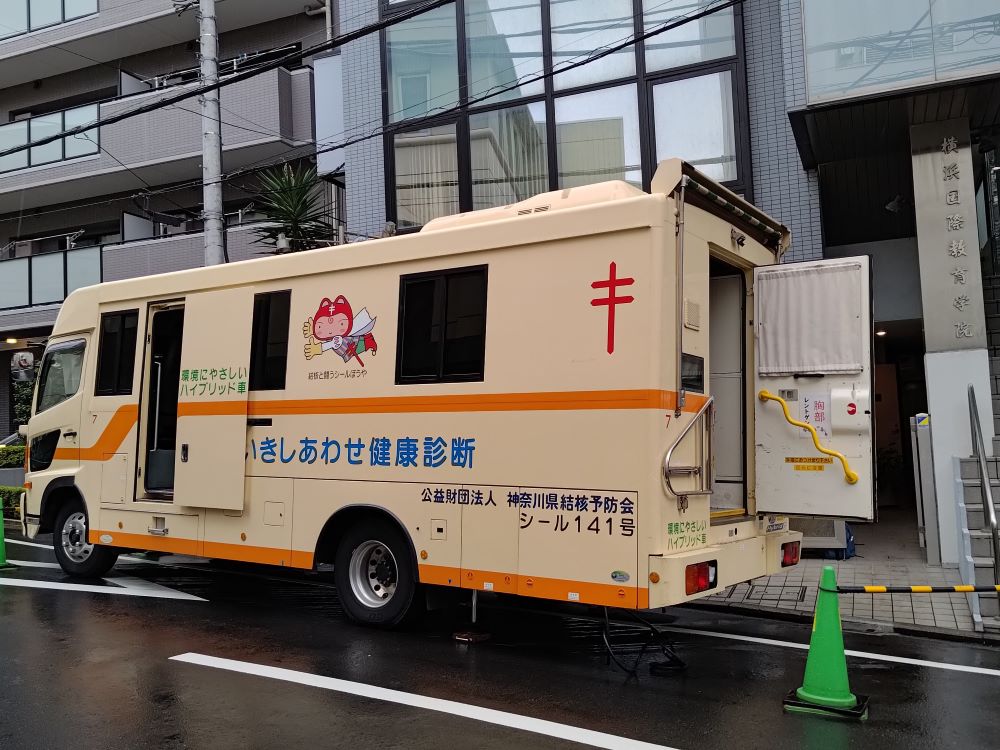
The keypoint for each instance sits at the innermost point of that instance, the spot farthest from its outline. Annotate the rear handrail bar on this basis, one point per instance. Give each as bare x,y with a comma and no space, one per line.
706,412
850,476
979,451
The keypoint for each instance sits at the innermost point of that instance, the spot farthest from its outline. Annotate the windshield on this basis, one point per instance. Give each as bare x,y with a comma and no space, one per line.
60,374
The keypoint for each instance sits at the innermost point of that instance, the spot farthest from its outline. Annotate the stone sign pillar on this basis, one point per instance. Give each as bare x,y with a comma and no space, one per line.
951,290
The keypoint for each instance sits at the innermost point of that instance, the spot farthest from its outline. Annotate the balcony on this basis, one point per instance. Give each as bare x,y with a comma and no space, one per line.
119,28
266,117
32,287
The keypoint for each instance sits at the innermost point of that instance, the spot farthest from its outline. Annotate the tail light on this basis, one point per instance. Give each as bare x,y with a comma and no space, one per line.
790,554
701,577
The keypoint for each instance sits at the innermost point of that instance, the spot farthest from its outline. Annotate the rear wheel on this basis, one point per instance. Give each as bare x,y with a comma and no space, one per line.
375,575
74,553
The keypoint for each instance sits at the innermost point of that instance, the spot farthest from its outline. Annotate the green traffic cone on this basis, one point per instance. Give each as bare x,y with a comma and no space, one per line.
825,688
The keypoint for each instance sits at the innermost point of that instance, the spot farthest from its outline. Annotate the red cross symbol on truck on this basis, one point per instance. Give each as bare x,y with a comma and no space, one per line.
611,284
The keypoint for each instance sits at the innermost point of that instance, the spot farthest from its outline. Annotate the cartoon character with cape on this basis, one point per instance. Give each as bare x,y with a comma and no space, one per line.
336,328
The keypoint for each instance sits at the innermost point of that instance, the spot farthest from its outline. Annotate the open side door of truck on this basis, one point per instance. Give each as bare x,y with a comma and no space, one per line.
813,389
212,404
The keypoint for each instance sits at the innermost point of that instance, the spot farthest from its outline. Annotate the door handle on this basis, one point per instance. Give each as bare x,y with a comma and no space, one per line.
184,453
158,532
259,422
69,434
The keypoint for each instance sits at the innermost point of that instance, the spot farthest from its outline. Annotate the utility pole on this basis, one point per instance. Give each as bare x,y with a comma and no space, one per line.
211,120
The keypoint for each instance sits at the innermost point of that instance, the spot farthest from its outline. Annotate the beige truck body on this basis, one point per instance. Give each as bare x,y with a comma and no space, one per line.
543,478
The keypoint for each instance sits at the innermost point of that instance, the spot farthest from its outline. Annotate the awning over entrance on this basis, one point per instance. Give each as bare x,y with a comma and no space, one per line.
880,124
861,151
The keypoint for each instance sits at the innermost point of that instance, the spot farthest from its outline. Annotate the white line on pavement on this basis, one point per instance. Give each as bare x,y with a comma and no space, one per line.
488,715
32,564
858,654
29,544
122,586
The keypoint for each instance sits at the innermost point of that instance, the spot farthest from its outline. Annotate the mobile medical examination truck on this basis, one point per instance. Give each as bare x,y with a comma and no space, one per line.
597,395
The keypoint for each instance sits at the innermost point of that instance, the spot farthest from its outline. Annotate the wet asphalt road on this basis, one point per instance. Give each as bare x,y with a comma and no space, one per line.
92,670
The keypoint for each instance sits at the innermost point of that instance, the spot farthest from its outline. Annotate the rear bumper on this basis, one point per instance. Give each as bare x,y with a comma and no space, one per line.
737,562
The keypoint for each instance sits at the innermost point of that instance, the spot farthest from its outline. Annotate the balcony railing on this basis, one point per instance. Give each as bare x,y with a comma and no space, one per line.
23,132
21,16
49,277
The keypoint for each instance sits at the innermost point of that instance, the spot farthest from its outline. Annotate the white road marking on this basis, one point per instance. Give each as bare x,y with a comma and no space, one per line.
29,544
488,715
32,564
121,586
858,654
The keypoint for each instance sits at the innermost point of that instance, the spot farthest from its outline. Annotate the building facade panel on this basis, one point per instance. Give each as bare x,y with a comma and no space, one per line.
782,187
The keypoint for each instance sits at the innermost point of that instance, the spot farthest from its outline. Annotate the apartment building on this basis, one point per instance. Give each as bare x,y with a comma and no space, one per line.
124,200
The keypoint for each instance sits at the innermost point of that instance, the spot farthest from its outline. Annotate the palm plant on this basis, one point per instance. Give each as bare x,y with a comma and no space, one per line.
291,199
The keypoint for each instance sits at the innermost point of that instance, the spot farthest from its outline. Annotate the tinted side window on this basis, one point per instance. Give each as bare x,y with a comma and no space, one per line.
116,353
269,343
442,326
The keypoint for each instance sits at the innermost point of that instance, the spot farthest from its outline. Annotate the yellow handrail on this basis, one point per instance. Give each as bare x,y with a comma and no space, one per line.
849,474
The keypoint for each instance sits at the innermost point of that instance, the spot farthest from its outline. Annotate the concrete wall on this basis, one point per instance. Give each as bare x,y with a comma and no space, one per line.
895,276
775,84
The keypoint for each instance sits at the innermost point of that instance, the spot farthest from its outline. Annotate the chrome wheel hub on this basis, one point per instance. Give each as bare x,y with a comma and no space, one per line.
373,574
74,538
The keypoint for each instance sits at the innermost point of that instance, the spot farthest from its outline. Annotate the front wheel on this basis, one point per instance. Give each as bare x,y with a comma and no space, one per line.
374,573
74,553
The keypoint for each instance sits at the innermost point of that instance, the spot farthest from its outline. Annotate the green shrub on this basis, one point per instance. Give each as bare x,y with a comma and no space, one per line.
11,456
11,500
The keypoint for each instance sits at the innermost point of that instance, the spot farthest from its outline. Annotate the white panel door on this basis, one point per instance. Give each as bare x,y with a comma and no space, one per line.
210,464
813,332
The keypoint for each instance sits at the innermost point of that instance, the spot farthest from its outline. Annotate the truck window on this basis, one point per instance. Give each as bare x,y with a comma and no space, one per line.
60,374
269,341
442,326
116,353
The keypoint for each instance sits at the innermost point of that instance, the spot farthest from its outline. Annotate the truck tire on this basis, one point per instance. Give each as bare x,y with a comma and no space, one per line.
375,574
75,555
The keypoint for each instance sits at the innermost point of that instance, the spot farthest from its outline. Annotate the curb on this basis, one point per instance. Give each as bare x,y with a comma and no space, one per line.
855,625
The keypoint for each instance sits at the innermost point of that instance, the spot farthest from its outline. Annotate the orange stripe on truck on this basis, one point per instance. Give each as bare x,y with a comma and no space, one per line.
125,418
196,548
557,589
118,428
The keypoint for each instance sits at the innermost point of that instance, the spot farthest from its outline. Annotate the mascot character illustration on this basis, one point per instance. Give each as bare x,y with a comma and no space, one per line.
336,328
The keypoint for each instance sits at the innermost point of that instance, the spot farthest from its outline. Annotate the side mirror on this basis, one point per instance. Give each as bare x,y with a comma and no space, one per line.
22,367
22,430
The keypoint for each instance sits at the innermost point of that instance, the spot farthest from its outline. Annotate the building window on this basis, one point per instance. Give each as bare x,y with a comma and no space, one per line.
706,134
426,164
597,137
710,37
509,155
269,341
31,130
504,46
581,26
442,326
116,354
22,16
422,48
506,137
